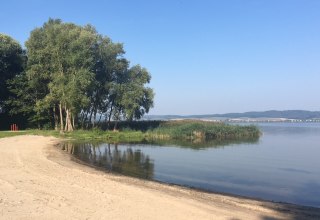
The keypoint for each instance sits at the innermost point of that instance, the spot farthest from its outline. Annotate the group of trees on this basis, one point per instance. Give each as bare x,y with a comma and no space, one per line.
71,76
12,63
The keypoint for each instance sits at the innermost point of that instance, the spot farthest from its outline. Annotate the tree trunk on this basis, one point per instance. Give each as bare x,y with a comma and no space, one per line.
56,118
84,118
109,118
90,118
67,116
100,118
68,121
73,122
61,117
115,125
94,118
68,126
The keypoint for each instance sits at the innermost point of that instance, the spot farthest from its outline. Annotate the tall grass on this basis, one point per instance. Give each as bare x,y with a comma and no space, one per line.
192,129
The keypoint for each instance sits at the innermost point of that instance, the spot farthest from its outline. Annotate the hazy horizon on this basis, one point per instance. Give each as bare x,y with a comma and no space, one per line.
213,113
205,57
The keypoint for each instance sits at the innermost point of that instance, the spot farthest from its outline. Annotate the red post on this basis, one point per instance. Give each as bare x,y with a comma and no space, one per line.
14,127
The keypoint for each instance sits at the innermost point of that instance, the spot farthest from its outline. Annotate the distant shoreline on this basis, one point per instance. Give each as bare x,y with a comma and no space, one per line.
263,116
252,120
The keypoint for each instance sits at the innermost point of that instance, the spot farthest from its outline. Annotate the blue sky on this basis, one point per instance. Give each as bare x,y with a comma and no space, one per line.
204,56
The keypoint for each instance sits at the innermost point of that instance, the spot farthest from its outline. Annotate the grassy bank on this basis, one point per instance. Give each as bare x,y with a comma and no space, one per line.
126,136
4,134
188,130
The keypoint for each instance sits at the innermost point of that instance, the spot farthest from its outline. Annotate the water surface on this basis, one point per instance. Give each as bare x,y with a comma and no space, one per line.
283,165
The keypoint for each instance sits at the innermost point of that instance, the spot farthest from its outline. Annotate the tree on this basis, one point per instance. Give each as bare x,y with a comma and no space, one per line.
74,74
11,64
133,98
108,65
61,58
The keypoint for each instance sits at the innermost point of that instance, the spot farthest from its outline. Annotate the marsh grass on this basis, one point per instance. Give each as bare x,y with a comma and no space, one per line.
189,130
202,130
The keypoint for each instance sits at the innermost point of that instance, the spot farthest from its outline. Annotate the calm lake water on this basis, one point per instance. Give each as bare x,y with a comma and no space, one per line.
283,165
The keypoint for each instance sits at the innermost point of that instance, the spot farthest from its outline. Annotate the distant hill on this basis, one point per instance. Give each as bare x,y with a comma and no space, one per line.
289,114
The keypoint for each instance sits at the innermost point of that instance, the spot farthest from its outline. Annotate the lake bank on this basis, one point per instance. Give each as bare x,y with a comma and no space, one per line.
39,181
137,131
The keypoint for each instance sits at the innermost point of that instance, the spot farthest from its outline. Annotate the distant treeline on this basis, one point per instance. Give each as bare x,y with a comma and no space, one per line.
290,114
69,77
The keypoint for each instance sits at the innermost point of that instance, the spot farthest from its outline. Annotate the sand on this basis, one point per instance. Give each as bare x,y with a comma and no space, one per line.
39,181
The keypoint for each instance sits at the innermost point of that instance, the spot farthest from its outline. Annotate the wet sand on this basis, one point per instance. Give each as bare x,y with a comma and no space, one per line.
39,181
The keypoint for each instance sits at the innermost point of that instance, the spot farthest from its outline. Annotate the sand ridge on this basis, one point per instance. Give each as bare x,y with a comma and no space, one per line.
39,181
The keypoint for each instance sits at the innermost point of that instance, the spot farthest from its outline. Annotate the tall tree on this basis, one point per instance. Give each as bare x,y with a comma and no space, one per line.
11,64
108,64
133,98
74,74
61,58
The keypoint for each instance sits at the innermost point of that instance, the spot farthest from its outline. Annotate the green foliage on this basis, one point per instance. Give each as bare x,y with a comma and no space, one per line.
202,130
60,59
135,99
11,64
133,125
74,74
189,130
194,134
94,134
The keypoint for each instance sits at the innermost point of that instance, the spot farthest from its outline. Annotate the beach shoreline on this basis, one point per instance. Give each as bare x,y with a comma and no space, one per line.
40,181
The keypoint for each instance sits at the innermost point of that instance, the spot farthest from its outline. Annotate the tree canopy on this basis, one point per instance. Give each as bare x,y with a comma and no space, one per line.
11,64
76,77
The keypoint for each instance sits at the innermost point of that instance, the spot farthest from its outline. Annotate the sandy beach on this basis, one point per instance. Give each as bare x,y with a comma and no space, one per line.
39,181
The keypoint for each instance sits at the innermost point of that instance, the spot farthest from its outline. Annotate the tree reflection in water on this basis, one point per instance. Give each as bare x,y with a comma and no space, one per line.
112,158
131,161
